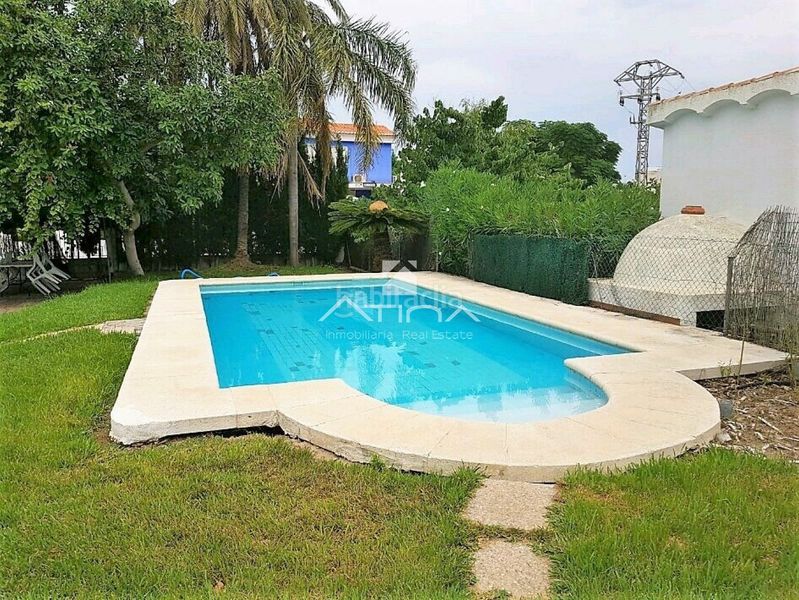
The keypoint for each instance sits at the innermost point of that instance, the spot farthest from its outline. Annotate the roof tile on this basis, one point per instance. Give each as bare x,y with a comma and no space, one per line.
352,129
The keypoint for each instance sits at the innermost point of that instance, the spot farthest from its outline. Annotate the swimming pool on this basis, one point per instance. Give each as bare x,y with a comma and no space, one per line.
406,346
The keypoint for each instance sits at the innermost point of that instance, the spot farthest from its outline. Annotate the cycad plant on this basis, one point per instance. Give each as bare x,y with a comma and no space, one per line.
371,220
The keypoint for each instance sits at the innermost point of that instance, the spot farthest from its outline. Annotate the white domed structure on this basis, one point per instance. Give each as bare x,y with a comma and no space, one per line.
674,268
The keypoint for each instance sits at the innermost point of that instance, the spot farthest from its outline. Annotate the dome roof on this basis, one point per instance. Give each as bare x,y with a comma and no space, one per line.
683,254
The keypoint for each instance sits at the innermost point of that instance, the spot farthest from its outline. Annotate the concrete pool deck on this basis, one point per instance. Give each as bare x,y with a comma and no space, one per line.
654,408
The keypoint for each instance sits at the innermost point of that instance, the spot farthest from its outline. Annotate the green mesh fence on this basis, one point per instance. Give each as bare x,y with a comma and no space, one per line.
542,266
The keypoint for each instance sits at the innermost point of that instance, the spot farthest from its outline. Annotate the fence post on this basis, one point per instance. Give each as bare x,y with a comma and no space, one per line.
728,294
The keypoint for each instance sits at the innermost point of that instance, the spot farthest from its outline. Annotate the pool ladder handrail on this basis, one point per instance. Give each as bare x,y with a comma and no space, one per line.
185,272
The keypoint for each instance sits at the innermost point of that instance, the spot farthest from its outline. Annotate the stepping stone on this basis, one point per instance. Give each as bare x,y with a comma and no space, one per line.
511,504
125,326
513,567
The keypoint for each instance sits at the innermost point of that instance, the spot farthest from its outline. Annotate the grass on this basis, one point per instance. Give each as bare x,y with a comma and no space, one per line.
717,524
259,517
125,299
80,516
95,304
255,270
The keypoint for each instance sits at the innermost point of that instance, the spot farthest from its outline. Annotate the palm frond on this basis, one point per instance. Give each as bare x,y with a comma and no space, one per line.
338,9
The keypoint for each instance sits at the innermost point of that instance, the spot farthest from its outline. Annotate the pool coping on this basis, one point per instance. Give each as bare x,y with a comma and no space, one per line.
654,408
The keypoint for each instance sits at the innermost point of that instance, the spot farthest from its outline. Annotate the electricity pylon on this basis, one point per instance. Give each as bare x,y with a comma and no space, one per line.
646,75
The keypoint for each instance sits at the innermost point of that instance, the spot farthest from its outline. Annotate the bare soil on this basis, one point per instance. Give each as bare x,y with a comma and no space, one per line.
765,417
17,301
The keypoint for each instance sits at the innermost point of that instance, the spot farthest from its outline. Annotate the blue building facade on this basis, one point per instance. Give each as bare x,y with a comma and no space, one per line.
379,172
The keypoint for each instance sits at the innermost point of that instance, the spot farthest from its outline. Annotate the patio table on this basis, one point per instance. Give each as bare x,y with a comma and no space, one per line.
13,273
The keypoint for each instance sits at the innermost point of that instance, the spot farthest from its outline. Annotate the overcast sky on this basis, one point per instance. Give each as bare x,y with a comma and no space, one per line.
556,59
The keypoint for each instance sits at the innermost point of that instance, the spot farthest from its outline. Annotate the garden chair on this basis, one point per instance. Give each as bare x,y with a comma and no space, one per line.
45,276
51,269
41,281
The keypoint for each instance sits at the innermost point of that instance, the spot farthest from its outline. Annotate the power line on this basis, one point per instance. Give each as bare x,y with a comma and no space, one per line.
646,75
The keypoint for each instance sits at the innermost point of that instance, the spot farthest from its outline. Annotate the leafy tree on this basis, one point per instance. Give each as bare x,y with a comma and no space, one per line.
514,152
588,151
239,25
448,134
479,136
372,219
114,110
318,54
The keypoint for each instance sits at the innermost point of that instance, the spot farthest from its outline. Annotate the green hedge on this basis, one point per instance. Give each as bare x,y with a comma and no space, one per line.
463,203
542,266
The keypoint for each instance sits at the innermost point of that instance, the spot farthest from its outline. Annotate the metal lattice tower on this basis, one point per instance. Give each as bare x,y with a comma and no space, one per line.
646,75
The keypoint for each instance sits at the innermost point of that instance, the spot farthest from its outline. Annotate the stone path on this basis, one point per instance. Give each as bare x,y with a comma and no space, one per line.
124,326
511,504
511,566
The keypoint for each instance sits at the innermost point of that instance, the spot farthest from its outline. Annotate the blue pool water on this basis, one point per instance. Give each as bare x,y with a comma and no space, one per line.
409,347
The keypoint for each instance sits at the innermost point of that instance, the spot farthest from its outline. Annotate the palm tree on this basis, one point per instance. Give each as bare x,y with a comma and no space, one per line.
238,25
361,61
372,220
318,54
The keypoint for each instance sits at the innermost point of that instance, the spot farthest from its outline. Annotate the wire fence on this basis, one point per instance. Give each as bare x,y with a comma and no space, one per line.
763,298
680,280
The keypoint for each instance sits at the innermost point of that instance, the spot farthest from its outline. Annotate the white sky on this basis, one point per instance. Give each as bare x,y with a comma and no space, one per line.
556,59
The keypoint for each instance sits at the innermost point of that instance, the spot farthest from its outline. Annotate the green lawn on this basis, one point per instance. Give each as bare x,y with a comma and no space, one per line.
717,524
81,516
125,299
95,304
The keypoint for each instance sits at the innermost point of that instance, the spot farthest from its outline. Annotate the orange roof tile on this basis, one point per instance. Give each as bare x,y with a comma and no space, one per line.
351,129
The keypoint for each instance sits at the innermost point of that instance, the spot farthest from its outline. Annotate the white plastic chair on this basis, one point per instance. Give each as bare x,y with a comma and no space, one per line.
52,269
41,281
44,275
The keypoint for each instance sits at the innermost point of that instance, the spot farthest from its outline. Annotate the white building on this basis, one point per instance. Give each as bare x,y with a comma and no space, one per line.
732,149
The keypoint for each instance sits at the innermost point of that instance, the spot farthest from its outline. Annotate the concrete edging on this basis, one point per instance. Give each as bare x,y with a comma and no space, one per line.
653,408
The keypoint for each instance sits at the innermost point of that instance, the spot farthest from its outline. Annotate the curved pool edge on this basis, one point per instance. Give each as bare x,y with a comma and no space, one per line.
342,420
653,410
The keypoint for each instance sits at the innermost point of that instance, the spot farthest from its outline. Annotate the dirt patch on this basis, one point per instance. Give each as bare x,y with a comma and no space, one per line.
17,301
765,416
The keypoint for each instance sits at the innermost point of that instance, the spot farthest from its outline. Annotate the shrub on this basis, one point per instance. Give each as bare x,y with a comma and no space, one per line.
464,202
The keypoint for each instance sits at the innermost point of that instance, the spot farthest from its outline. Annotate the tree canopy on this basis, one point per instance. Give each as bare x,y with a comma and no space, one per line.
115,110
319,52
479,136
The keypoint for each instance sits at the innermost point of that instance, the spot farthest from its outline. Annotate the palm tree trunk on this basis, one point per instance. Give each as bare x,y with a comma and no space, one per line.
381,250
294,204
129,234
243,230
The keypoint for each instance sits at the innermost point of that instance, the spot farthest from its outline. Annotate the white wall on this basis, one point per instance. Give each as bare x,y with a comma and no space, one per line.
735,160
